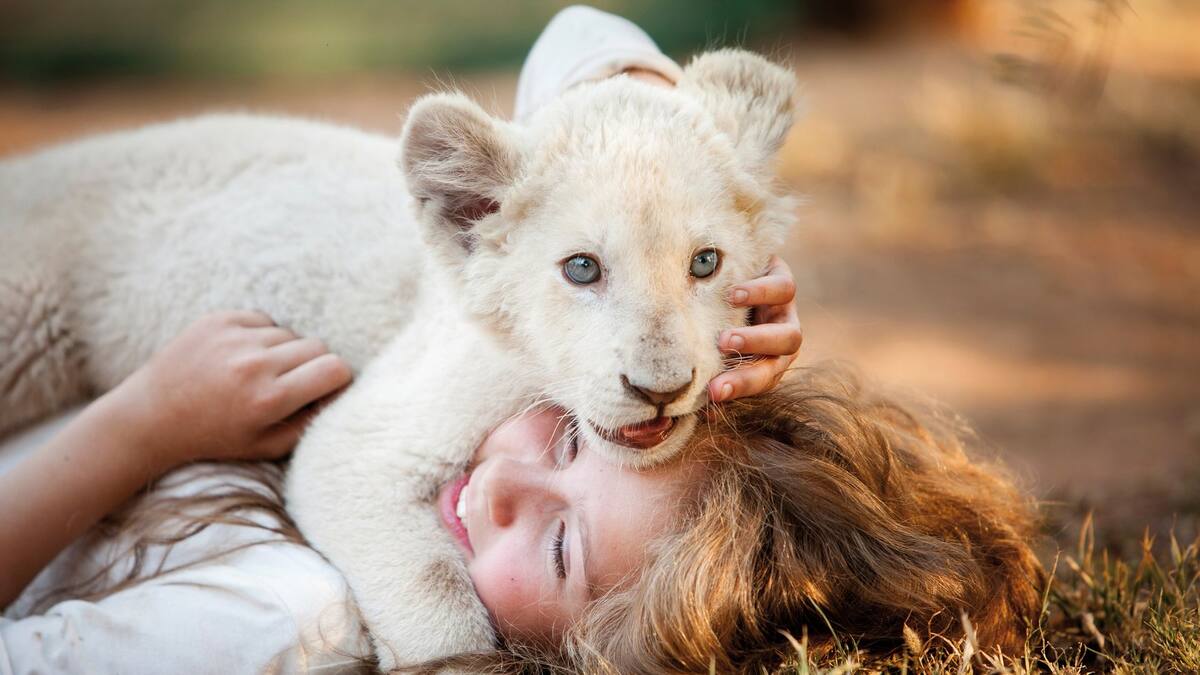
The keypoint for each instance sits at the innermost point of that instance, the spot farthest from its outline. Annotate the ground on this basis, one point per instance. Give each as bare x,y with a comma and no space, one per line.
1028,254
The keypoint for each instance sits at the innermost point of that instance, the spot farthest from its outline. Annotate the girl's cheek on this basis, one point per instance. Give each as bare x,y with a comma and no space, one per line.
503,588
522,600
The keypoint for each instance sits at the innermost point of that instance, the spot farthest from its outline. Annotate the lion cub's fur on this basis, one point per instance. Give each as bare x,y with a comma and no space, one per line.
112,245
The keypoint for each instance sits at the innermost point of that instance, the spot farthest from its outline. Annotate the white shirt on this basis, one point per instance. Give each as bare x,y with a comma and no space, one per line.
273,607
269,606
580,44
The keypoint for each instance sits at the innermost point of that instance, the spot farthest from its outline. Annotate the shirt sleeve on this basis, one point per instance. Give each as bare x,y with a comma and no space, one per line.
579,44
268,608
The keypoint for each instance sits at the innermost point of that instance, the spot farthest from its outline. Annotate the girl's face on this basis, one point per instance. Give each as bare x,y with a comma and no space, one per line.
546,525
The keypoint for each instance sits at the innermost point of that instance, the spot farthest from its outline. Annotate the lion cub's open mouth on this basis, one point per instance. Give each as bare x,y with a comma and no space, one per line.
640,436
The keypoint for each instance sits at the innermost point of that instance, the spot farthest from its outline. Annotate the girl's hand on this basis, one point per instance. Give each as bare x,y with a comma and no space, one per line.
233,385
768,346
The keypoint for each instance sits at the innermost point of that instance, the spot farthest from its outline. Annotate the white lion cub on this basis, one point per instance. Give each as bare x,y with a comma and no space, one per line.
582,258
589,255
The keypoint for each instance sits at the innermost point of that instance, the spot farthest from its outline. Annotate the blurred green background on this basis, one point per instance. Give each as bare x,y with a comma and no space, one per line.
56,40
1003,196
64,39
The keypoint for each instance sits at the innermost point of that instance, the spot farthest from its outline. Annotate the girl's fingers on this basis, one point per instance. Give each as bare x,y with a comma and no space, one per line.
775,335
276,442
294,353
776,287
771,290
279,439
247,318
310,381
769,339
270,336
783,313
747,380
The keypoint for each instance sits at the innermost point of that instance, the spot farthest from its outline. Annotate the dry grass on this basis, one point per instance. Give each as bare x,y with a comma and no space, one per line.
1099,614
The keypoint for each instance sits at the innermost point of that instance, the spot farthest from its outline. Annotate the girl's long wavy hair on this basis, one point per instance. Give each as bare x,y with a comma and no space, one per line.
831,512
825,510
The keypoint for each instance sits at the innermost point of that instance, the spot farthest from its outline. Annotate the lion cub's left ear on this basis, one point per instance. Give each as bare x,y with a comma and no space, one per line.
460,164
752,99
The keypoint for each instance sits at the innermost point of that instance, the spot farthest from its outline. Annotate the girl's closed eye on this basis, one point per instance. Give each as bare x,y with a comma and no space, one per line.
556,550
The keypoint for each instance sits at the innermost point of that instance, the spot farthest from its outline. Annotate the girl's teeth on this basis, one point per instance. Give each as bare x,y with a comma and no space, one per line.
460,509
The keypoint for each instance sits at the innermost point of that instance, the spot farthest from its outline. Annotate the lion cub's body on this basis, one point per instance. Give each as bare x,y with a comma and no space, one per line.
453,275
109,247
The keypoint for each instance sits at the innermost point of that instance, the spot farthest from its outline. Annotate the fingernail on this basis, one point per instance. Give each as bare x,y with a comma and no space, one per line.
740,296
736,342
726,391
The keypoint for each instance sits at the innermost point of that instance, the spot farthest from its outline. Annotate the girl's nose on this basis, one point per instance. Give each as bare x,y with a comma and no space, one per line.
512,488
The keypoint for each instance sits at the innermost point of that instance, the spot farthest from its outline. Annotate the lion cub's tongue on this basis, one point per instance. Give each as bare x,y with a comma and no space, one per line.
646,434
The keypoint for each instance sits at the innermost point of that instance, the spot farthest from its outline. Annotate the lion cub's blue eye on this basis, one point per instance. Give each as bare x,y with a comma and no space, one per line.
705,263
582,269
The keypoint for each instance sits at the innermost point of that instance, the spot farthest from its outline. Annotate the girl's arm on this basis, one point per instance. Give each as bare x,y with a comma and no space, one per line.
231,386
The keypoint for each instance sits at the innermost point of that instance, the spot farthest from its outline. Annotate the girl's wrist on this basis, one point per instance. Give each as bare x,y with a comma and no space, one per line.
136,434
648,76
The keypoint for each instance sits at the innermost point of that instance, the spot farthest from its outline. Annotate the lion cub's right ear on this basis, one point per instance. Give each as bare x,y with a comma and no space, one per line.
460,164
751,99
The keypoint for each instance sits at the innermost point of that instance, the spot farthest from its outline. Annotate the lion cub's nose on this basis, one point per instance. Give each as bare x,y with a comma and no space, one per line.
658,399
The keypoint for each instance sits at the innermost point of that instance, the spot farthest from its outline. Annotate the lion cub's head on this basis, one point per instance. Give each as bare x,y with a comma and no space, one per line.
601,240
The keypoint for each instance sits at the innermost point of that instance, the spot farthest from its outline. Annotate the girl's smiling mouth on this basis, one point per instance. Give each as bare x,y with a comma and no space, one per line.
452,502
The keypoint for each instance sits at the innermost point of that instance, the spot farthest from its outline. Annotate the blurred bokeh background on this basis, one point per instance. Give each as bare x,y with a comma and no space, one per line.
1003,197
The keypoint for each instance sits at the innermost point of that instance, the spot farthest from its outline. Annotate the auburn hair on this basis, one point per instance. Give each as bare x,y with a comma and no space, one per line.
827,511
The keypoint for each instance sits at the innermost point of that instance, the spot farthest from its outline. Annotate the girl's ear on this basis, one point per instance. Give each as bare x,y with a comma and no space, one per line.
752,99
460,163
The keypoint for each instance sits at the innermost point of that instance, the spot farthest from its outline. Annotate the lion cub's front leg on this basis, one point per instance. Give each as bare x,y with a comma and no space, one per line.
364,481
